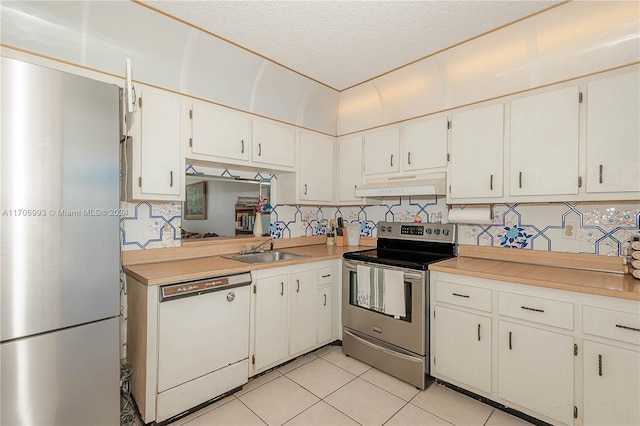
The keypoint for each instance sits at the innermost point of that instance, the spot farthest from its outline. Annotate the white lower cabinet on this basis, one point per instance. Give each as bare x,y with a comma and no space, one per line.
611,385
535,369
302,311
293,312
463,347
565,358
270,324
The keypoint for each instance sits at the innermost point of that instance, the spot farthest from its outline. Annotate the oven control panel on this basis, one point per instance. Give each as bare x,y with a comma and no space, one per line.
441,232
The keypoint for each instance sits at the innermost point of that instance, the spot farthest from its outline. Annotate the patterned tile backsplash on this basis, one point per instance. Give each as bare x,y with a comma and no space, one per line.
598,227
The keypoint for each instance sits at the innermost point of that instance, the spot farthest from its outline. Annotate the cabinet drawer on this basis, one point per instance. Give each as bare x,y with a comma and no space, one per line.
325,275
611,324
536,309
463,295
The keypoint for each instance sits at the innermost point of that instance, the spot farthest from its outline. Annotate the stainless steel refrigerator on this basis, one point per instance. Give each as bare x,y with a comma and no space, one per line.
59,353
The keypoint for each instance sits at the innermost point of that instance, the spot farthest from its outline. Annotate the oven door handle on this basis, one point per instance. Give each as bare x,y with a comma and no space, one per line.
407,275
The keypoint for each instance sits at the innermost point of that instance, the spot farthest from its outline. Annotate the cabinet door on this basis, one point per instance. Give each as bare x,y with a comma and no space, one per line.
477,152
381,151
273,144
535,370
161,167
424,144
270,327
349,168
316,167
613,134
219,133
544,143
611,385
463,347
324,308
302,311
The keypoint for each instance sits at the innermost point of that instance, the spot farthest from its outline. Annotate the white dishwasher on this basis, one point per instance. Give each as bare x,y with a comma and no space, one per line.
203,341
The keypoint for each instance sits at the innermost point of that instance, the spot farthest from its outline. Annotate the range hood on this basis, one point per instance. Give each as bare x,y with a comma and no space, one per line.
432,184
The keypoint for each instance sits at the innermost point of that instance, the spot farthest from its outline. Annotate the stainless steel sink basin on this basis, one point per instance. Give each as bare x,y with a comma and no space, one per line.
267,256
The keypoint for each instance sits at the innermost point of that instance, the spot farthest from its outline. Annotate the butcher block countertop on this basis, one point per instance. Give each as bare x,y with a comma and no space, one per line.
165,272
561,271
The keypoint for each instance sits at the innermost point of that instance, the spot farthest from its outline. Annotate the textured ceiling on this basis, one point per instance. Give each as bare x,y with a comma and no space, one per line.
343,43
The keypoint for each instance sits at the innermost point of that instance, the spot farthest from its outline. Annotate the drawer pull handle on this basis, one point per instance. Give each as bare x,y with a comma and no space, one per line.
325,300
298,287
510,346
599,365
526,308
491,183
281,289
461,295
242,147
626,327
326,276
478,332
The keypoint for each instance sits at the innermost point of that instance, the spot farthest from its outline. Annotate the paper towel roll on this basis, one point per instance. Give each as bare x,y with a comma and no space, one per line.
474,215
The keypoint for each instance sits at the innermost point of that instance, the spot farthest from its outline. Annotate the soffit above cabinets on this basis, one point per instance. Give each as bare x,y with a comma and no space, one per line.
343,43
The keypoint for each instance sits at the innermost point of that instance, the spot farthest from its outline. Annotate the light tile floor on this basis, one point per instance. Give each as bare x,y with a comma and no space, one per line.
326,387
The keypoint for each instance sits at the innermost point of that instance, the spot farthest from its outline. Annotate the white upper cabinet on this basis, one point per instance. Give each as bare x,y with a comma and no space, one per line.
222,135
219,132
382,151
424,144
313,180
416,146
316,167
477,137
273,144
544,143
154,160
613,134
349,169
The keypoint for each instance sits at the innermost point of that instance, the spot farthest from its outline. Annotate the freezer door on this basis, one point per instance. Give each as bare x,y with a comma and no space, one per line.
59,200
69,377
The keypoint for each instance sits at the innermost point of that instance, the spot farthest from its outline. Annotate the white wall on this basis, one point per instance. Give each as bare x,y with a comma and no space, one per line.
166,53
575,39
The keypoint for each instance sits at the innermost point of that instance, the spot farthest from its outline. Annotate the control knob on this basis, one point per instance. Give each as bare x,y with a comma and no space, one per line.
428,231
436,231
445,232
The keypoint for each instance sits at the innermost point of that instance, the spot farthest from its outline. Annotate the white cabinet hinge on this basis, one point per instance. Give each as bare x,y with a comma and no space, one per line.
575,412
254,289
140,102
579,181
448,124
449,189
448,157
253,359
191,114
140,181
190,142
575,349
580,97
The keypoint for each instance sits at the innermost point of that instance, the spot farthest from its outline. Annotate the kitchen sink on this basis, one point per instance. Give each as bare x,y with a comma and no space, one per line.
267,256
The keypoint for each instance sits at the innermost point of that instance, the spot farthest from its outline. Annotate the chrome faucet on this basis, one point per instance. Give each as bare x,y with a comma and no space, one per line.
254,249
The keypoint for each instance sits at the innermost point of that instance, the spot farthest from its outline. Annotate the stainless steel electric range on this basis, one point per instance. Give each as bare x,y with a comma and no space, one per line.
385,298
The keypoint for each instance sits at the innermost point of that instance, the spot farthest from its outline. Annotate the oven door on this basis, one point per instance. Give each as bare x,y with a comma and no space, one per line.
408,332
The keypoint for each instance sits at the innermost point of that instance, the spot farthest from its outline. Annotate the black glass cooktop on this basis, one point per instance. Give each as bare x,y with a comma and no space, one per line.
413,255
